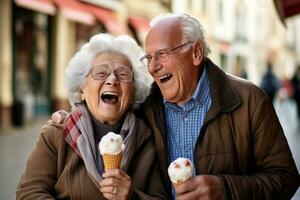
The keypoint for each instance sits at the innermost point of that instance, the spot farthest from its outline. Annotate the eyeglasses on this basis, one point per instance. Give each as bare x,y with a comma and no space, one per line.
102,72
163,54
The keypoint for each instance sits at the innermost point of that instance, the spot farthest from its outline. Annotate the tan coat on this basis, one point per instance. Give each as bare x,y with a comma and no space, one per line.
241,140
55,171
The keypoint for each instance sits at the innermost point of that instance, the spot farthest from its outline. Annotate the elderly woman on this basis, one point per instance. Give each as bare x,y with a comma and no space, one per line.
105,80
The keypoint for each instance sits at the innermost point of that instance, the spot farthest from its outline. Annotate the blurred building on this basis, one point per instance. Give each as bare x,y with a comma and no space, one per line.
245,35
37,39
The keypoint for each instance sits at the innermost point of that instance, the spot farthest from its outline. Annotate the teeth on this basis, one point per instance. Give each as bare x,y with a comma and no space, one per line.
110,93
165,76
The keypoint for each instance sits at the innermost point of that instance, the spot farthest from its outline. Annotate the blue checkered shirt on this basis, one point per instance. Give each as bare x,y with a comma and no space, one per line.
184,122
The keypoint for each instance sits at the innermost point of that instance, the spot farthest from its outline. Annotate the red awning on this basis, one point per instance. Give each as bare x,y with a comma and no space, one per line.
108,18
287,8
141,25
76,11
44,6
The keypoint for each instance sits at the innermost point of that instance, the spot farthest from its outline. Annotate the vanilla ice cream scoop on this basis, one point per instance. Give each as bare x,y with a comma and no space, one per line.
111,144
180,170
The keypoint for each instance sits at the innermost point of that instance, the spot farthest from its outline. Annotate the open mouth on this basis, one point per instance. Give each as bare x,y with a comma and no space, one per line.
165,78
110,97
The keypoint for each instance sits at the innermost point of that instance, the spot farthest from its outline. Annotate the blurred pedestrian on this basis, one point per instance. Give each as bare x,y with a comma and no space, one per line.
270,83
296,86
286,108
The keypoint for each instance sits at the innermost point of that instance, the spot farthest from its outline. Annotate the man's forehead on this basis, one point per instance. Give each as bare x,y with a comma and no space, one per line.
165,27
163,35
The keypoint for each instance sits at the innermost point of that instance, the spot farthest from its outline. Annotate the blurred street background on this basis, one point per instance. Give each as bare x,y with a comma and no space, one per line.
256,40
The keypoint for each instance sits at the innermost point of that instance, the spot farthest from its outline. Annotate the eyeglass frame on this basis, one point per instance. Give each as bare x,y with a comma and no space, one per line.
167,51
111,70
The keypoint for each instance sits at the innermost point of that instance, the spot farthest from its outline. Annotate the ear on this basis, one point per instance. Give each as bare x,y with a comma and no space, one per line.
81,93
82,96
198,53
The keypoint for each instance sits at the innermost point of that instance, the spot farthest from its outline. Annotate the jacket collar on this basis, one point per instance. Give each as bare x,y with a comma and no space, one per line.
224,97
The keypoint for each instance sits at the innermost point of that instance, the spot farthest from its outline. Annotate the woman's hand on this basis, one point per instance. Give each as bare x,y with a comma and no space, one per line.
116,185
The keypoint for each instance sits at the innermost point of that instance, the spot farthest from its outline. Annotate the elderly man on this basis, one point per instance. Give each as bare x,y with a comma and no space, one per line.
227,126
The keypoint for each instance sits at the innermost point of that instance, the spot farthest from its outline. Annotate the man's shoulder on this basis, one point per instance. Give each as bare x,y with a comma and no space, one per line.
245,87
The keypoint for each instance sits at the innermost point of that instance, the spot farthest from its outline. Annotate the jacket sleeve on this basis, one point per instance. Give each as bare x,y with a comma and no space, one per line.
39,178
155,188
276,175
149,184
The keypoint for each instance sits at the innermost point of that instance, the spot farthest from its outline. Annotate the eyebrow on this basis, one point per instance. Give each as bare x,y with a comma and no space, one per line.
163,49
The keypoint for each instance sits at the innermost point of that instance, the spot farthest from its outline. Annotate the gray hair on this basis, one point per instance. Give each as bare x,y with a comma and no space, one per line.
192,29
81,63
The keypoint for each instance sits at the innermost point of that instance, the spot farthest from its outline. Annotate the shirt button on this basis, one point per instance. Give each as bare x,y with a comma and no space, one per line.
185,119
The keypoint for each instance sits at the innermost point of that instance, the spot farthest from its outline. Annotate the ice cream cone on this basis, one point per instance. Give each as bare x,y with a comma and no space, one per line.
111,148
112,161
180,170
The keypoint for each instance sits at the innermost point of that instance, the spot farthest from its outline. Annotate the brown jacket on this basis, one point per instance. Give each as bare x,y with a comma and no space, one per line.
55,171
241,140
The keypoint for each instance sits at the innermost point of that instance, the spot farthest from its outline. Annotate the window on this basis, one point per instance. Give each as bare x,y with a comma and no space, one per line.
203,6
220,11
240,22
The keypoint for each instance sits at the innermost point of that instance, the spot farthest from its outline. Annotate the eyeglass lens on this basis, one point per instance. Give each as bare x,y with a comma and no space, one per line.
163,55
122,72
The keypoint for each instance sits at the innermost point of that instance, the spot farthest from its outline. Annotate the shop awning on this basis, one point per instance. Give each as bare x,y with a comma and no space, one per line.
43,6
141,25
109,20
287,8
78,11
75,11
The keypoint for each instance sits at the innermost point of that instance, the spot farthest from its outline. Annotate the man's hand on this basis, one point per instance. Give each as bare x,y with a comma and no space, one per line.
57,119
200,187
59,116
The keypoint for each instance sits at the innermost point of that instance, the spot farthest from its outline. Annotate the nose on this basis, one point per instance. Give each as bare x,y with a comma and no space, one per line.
111,79
154,65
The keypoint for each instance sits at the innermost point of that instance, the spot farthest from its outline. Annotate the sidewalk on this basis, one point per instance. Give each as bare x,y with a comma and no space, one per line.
287,114
15,146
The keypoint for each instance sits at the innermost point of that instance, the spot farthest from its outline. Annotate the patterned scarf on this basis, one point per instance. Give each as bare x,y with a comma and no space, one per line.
79,134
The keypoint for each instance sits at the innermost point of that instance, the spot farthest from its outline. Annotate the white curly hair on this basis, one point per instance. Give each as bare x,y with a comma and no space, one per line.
81,63
192,29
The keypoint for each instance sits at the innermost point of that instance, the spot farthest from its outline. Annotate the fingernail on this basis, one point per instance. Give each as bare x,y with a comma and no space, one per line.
56,117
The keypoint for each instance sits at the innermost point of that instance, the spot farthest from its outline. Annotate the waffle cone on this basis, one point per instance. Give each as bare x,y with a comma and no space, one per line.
176,184
112,161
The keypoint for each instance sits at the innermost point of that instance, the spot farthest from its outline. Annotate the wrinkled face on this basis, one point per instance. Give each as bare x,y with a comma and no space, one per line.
108,99
177,77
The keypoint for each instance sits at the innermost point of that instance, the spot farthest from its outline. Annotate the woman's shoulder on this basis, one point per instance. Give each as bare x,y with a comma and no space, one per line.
52,133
